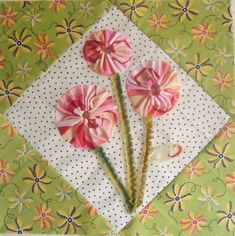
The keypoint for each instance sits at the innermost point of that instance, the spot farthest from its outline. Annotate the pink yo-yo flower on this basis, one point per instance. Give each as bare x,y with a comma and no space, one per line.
86,116
153,88
108,52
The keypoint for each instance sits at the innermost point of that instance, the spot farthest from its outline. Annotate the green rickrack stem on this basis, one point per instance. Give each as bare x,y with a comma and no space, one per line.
112,174
145,162
126,137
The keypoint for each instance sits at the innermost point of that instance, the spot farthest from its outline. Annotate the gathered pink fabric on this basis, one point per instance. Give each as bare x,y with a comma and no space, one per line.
153,88
108,52
86,116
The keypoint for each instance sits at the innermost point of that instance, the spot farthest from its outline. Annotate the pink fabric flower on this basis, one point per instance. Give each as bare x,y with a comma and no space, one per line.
108,52
153,88
86,116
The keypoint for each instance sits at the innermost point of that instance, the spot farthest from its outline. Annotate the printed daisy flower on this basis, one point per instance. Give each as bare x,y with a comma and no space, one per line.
219,156
23,70
158,22
227,217
57,5
69,29
92,211
228,20
19,228
134,9
222,56
37,178
64,192
20,201
177,197
203,32
32,17
5,172
108,52
86,9
9,91
193,224
227,131
19,42
183,9
223,81
43,46
70,221
212,5
11,131
194,168
2,61
175,49
230,181
149,212
153,88
45,216
206,199
86,116
199,68
7,17
25,153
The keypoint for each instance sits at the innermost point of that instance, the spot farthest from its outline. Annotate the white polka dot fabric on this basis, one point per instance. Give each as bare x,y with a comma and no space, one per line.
192,124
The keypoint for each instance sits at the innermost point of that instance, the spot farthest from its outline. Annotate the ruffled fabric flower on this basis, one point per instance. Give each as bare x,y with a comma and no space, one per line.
108,52
86,116
153,88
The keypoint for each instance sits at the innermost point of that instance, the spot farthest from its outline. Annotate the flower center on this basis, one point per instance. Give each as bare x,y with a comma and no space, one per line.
158,22
230,215
44,47
36,179
145,212
108,49
19,231
7,92
155,89
19,43
208,199
85,115
70,219
198,66
43,214
225,129
69,30
176,50
7,16
2,171
194,222
193,168
20,200
132,8
204,32
220,156
177,198
184,9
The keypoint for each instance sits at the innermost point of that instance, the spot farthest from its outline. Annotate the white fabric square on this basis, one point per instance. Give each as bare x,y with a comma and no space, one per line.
193,123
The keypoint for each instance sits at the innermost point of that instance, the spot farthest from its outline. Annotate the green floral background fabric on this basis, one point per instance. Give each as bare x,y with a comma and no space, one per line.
34,198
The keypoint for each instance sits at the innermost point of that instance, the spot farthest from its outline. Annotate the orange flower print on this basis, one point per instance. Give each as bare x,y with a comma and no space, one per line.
230,181
223,81
45,216
194,168
2,62
5,172
43,46
11,131
56,5
149,212
203,32
193,224
92,211
7,17
227,131
158,22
